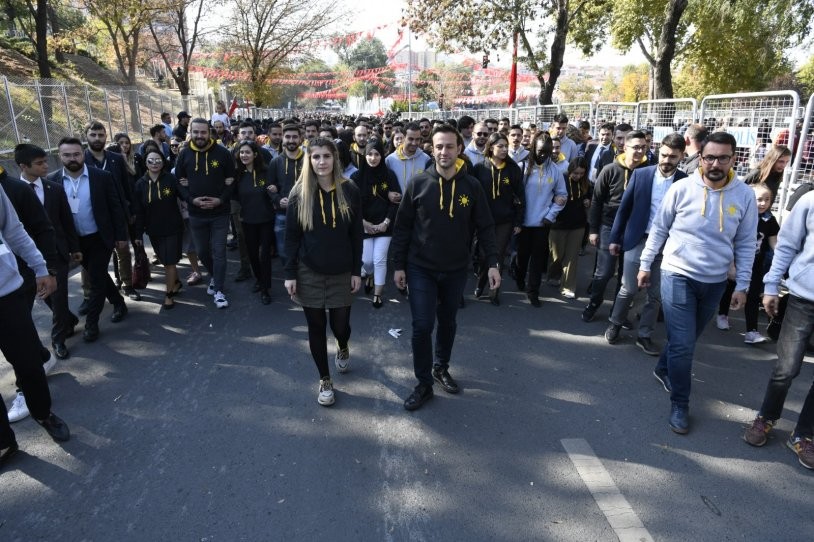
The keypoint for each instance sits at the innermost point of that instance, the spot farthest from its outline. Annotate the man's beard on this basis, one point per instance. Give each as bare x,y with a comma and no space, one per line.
96,145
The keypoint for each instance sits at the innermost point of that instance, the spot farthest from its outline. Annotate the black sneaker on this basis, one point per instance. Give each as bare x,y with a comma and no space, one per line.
534,299
612,333
589,313
421,394
627,324
84,307
647,346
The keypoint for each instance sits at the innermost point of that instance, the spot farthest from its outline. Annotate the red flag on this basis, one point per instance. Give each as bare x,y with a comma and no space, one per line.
513,83
233,106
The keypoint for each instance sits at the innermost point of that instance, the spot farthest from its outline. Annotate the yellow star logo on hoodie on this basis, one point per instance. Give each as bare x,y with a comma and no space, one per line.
214,163
166,192
732,210
463,200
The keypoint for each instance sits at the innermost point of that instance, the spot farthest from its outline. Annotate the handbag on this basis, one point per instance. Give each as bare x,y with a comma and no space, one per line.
141,269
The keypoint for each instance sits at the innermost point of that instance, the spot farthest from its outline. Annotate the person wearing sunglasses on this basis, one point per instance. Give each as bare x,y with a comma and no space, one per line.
156,212
474,151
705,222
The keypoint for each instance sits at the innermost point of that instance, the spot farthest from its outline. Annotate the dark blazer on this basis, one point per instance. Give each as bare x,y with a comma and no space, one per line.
634,211
114,164
59,212
107,208
605,158
33,217
592,148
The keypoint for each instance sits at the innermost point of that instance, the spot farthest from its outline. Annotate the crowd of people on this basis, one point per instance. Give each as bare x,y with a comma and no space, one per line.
345,203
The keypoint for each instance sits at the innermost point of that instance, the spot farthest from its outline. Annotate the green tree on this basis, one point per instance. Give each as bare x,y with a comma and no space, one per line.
478,26
805,76
369,54
446,82
576,89
729,45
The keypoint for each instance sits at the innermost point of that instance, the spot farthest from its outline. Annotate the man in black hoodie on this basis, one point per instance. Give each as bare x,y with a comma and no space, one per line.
441,210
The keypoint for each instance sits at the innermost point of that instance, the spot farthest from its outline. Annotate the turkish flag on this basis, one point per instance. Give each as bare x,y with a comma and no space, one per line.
233,106
513,83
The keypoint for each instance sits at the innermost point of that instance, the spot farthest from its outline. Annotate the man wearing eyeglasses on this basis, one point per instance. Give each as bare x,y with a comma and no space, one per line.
474,151
631,228
704,223
608,189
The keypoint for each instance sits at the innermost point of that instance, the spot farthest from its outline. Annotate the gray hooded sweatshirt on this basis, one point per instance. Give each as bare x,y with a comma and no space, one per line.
704,230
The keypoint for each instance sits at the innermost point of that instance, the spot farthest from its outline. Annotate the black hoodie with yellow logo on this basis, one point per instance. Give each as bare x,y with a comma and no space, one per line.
437,219
609,187
206,171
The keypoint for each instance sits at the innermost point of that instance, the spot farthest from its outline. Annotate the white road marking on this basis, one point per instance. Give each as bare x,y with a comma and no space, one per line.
621,517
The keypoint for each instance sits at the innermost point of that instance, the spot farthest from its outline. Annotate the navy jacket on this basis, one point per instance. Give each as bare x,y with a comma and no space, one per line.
634,210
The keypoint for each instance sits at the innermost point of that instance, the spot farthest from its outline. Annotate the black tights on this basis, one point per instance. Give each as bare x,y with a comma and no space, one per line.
317,337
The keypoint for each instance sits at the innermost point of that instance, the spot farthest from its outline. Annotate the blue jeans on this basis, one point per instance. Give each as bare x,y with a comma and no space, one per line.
606,265
209,235
279,235
433,294
798,325
688,305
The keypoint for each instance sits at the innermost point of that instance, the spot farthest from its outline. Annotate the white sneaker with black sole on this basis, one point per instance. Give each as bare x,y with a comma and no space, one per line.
342,360
754,337
18,409
220,300
326,392
210,290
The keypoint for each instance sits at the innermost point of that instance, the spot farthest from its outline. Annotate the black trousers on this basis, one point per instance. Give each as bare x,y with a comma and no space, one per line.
20,345
259,239
532,256
95,260
63,320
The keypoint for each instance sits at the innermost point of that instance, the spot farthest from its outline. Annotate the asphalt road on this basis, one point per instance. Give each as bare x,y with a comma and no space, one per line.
202,424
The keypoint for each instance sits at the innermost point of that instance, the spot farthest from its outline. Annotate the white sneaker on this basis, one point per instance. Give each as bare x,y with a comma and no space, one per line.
342,359
568,294
211,288
18,410
722,321
754,337
49,365
220,300
326,392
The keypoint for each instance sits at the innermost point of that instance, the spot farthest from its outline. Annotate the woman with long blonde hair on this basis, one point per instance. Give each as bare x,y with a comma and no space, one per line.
770,170
323,241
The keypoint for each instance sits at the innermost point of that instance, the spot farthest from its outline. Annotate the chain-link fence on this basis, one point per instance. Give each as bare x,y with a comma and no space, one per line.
42,111
615,112
757,120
